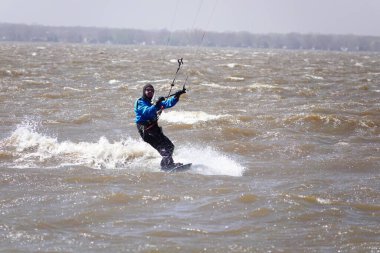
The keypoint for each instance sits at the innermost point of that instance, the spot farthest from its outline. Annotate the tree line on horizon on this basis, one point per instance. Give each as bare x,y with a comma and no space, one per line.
94,35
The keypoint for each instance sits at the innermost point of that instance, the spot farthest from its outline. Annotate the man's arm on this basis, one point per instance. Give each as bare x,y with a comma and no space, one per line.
145,111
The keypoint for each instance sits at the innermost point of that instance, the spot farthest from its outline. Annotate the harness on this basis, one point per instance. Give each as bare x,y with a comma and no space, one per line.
147,125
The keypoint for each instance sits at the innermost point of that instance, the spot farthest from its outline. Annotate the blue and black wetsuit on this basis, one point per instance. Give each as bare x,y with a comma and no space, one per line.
146,121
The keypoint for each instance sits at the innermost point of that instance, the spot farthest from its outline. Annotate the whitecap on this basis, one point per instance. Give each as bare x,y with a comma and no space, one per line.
208,161
314,77
235,78
190,117
215,85
33,148
154,81
113,81
73,89
261,85
324,201
234,65
342,143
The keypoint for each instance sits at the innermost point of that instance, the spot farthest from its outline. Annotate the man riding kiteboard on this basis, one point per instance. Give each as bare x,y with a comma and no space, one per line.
147,114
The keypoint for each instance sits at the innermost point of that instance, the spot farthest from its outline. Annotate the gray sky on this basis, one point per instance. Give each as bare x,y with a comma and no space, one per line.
361,17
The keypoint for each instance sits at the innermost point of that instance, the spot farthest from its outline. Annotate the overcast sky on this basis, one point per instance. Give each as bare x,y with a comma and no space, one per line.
361,17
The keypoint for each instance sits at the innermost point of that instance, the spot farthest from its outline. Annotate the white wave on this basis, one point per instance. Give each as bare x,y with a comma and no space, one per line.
73,89
176,60
235,78
113,81
190,117
215,85
261,86
34,149
154,81
207,161
228,65
314,77
233,65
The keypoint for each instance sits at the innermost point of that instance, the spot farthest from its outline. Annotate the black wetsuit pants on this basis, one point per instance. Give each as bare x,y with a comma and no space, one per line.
154,136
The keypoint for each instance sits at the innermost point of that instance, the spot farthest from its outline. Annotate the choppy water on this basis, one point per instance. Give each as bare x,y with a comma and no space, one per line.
285,147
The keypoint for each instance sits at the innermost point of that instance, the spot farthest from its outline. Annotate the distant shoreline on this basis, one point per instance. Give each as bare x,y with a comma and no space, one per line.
117,36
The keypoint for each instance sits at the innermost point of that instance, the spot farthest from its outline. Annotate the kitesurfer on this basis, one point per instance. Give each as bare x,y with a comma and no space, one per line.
147,114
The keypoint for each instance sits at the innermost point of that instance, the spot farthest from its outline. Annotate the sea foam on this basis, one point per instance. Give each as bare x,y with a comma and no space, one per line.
32,149
190,117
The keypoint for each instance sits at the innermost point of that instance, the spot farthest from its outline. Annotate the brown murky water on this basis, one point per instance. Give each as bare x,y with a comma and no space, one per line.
285,147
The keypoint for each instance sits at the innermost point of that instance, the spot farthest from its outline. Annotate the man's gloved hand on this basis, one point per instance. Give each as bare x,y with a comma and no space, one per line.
179,93
158,103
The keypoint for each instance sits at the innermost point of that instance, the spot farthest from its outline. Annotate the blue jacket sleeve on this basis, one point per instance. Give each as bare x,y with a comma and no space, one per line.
172,101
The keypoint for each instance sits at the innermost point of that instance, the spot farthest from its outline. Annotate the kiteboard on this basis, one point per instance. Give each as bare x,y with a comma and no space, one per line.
179,168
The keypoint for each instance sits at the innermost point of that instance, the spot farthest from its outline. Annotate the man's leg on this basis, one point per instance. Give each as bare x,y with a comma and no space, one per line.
166,149
161,143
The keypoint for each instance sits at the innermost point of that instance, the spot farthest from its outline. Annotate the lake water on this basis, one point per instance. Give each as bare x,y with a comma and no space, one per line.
285,147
